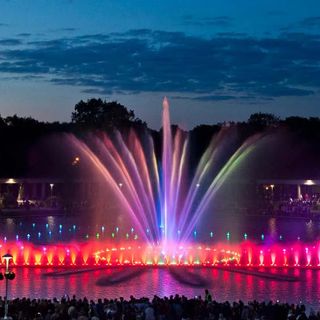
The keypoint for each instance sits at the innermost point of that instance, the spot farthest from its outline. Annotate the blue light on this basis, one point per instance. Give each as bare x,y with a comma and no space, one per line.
47,225
74,227
28,236
117,229
245,236
33,225
17,237
60,226
211,234
262,237
39,234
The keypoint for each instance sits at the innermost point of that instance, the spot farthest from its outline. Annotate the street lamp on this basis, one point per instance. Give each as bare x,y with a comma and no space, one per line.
51,193
8,275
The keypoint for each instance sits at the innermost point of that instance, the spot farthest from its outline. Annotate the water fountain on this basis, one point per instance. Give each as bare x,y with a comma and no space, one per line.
164,205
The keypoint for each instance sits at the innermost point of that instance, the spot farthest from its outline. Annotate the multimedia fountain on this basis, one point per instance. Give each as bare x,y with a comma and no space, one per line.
164,205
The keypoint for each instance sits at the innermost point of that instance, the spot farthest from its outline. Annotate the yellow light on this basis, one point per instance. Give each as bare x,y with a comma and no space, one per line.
11,181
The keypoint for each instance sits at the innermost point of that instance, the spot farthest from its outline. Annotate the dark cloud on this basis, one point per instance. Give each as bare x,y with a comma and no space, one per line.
310,22
68,29
225,67
221,21
215,97
10,42
24,34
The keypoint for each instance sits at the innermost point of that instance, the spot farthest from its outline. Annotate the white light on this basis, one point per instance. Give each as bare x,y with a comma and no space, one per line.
309,182
11,181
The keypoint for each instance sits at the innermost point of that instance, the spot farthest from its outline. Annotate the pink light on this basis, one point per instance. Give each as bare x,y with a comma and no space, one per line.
99,253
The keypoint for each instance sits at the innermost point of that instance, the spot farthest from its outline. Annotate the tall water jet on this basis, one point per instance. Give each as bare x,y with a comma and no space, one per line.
166,169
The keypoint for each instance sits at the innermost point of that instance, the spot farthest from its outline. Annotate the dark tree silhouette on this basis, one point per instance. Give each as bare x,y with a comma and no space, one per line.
263,120
99,114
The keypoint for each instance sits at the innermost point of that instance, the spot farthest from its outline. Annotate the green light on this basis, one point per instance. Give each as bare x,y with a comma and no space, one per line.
228,235
262,237
112,234
127,235
245,236
97,235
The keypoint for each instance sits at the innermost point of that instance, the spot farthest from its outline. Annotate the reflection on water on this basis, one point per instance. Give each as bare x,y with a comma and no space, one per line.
51,229
224,285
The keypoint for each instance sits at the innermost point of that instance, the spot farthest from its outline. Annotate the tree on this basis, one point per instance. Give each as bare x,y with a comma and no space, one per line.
263,120
99,114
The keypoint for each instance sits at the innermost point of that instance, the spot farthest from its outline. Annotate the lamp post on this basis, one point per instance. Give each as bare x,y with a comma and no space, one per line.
8,275
51,193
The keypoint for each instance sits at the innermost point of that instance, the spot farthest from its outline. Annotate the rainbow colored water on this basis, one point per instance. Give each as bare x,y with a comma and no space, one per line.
163,203
156,193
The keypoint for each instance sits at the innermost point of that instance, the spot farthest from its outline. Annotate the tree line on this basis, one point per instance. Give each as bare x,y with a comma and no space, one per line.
19,135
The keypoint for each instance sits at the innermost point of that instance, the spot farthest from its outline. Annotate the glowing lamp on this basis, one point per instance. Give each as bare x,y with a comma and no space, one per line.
11,181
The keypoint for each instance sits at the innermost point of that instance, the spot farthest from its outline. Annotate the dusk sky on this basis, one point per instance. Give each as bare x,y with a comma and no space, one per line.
215,60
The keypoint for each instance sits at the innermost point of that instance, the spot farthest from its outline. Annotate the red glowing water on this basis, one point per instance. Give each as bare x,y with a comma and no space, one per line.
97,253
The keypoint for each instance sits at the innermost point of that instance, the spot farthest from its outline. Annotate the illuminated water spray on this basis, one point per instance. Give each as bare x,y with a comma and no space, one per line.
157,193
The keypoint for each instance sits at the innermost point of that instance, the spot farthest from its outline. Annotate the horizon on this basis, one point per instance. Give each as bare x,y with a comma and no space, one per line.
215,62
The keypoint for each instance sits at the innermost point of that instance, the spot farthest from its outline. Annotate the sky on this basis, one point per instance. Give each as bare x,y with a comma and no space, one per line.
215,60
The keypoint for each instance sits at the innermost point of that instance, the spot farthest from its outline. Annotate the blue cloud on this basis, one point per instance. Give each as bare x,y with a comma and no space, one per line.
225,67
220,21
310,22
10,42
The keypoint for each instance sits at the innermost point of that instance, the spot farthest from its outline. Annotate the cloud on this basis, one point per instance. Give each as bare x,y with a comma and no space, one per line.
221,68
10,42
206,98
220,21
310,22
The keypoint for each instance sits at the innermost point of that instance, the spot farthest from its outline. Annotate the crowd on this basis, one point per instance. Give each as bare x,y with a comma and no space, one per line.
307,207
167,308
